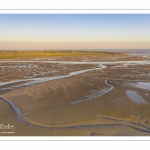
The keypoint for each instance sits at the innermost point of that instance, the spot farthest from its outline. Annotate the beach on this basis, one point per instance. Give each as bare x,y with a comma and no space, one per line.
104,94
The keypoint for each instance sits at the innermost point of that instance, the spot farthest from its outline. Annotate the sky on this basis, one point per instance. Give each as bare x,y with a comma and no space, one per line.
74,31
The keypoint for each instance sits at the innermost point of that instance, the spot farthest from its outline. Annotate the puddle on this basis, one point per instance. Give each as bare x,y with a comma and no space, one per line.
142,85
133,95
146,94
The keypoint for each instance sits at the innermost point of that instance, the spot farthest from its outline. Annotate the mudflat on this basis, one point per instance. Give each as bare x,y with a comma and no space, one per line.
96,94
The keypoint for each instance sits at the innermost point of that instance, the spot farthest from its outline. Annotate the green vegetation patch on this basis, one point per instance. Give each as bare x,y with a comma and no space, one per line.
34,54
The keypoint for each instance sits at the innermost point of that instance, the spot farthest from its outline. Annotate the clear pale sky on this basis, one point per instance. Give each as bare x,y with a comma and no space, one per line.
74,31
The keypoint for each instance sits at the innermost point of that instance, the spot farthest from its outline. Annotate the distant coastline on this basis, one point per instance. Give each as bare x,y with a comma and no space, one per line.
140,52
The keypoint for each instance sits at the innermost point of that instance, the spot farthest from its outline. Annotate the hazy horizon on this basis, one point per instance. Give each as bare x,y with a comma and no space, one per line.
74,31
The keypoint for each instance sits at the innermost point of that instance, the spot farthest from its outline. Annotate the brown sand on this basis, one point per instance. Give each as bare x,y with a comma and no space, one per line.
50,103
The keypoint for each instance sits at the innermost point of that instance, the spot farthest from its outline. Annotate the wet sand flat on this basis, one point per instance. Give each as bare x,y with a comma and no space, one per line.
94,98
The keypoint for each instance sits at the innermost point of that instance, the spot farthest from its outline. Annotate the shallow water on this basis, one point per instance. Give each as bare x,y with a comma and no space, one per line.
44,79
133,95
134,52
33,81
142,85
100,93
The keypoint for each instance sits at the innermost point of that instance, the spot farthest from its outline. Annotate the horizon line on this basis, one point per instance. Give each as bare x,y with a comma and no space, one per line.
75,49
